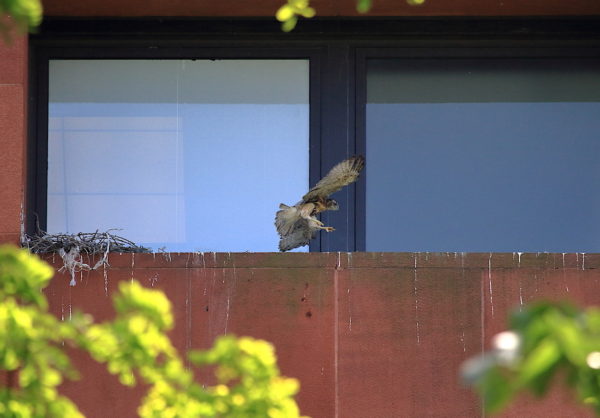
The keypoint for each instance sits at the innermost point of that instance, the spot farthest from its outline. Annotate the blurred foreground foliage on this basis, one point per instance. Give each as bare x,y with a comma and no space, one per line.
23,15
134,346
27,14
289,13
546,341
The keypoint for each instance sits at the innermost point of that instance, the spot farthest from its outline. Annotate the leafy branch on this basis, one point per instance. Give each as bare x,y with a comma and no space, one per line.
134,346
23,15
289,13
545,340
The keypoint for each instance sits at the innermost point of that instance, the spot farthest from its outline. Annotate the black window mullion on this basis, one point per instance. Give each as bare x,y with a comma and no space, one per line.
37,147
338,143
361,148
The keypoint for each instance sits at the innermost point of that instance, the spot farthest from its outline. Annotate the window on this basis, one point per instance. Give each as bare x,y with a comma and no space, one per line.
190,145
186,155
482,154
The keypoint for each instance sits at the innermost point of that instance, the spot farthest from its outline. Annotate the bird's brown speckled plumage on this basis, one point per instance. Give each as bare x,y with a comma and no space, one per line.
298,224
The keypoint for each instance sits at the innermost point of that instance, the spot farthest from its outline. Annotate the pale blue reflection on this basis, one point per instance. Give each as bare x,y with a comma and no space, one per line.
197,172
483,177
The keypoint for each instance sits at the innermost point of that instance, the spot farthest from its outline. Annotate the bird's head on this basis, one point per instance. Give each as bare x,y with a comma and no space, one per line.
332,204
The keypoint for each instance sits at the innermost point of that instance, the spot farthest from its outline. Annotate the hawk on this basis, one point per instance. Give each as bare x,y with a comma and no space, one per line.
298,224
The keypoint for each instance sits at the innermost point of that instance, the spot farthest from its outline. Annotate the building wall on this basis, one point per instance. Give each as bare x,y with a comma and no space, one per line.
13,100
369,335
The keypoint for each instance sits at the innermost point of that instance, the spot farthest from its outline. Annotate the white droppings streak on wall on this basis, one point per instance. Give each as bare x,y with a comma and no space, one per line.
415,280
349,311
490,281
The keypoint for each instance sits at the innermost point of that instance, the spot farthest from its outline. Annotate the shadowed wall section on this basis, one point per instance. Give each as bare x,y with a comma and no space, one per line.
367,334
13,93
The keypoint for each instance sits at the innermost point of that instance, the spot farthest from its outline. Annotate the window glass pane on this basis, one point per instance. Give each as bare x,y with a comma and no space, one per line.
483,155
189,155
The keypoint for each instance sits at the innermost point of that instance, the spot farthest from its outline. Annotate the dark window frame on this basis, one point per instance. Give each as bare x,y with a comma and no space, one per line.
37,199
338,50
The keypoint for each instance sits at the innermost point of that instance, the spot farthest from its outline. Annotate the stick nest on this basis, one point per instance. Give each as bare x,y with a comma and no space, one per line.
71,247
86,243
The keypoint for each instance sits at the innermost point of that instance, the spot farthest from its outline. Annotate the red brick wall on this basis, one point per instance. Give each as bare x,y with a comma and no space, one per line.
367,334
13,93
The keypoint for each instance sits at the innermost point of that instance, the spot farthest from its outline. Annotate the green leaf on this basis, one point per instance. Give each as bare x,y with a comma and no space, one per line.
308,12
539,361
284,13
495,390
363,6
289,24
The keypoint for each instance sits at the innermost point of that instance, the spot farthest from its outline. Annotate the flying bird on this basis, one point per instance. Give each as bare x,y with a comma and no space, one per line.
298,224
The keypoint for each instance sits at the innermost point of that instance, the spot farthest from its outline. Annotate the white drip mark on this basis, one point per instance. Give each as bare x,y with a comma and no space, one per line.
490,281
582,261
188,302
339,261
520,295
227,315
349,312
462,339
520,254
417,327
563,273
153,279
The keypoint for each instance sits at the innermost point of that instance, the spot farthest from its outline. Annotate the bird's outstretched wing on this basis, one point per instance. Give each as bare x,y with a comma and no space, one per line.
286,218
339,176
299,236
